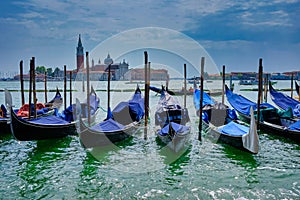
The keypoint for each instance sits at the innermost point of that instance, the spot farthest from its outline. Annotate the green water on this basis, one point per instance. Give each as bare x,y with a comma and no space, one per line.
143,169
137,169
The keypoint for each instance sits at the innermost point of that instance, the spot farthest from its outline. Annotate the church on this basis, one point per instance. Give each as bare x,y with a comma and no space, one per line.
99,71
119,71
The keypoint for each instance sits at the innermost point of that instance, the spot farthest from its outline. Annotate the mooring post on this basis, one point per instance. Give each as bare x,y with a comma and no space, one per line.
65,86
34,87
146,96
30,88
88,86
223,83
22,83
201,99
260,72
45,86
184,76
266,82
70,87
292,85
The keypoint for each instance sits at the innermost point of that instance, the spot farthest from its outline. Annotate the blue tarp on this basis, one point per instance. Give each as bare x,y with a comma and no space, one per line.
68,113
295,126
108,125
178,128
234,129
284,101
52,119
94,102
133,110
242,104
206,99
57,97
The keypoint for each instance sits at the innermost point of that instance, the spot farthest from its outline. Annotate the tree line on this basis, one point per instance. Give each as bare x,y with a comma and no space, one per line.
49,71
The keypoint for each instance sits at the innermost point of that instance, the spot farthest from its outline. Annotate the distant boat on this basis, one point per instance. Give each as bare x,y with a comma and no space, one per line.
190,91
194,81
135,82
253,82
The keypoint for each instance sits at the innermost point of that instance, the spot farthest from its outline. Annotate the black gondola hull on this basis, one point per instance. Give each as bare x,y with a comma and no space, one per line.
274,129
90,138
178,142
4,127
24,130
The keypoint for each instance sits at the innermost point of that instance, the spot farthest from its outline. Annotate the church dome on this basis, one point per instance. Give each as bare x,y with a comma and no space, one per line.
108,60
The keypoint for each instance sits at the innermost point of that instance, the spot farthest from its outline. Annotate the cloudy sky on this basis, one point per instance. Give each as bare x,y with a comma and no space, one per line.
234,33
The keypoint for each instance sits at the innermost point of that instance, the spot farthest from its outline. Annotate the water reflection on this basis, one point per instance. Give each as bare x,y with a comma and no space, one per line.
89,183
176,169
38,169
245,160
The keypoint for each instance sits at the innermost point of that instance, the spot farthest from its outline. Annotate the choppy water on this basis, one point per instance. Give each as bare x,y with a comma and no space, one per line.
142,169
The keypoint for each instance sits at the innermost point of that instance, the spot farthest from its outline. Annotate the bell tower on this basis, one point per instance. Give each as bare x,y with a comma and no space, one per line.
80,55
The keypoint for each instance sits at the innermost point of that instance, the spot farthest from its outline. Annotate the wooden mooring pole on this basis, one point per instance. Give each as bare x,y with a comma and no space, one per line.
22,83
223,83
184,76
146,96
260,73
201,99
65,86
33,87
45,86
70,87
292,85
88,86
30,88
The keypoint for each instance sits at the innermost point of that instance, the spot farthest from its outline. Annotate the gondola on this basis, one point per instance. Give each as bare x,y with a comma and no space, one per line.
272,120
119,124
221,125
46,127
23,111
171,120
43,127
285,102
56,102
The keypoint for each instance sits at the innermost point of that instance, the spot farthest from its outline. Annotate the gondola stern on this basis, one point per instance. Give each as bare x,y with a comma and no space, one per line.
251,139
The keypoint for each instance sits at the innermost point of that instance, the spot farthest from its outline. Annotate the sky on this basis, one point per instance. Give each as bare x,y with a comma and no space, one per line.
234,33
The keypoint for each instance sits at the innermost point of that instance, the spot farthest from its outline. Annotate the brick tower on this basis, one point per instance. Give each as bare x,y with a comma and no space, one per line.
80,55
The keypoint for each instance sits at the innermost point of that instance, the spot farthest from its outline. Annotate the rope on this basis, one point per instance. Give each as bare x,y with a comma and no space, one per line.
102,109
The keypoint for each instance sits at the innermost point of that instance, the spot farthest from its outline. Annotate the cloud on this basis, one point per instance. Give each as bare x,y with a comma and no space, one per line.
215,24
267,18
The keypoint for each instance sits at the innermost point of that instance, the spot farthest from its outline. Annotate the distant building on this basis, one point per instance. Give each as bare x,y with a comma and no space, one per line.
138,74
99,71
244,75
296,74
